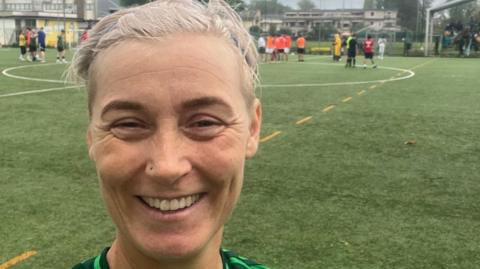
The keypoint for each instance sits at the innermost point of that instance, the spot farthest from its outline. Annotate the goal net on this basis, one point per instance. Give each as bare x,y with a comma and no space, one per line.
453,28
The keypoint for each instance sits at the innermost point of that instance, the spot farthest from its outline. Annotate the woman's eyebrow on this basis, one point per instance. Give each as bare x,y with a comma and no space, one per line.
122,105
206,101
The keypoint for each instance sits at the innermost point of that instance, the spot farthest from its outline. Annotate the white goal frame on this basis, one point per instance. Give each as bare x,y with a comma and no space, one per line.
429,26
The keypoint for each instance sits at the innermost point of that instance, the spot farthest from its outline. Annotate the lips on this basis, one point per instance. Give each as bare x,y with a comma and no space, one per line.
168,205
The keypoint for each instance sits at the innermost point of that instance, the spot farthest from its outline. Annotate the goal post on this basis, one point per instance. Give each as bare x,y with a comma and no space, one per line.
429,25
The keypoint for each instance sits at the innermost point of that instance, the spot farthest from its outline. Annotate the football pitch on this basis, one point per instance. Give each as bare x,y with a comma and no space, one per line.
357,168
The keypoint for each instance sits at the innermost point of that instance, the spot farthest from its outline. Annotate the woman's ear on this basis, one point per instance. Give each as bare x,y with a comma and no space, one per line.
254,128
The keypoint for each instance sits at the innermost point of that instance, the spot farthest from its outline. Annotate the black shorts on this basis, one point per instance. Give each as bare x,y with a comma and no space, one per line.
352,54
368,55
23,50
280,50
60,49
301,50
261,50
32,48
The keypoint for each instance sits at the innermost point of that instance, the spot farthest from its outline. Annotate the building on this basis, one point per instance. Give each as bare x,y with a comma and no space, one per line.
341,20
52,15
269,23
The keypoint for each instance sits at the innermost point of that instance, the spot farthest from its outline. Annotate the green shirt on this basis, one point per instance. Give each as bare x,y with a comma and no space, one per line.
348,42
229,259
60,41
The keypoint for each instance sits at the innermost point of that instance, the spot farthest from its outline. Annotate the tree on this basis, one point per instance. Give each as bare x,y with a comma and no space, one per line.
369,4
374,4
255,30
422,15
463,12
237,5
306,4
268,6
407,9
127,3
285,31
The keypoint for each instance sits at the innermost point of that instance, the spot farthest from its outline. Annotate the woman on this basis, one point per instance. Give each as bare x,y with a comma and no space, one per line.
337,48
22,41
173,116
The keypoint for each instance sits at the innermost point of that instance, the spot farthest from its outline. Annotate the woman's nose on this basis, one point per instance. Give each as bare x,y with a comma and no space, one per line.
168,161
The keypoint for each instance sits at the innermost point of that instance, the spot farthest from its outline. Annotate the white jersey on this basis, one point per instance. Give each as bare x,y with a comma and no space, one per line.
261,42
382,42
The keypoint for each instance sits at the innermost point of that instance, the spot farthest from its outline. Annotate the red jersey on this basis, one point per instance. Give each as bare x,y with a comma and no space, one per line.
29,37
280,42
368,46
84,36
288,41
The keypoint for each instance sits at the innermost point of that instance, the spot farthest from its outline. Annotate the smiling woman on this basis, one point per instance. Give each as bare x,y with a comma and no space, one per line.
170,128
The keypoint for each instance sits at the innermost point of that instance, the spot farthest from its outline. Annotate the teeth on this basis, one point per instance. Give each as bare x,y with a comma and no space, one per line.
171,205
164,205
181,204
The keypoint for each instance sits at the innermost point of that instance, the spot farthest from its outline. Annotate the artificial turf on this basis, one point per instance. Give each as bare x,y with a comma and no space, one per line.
388,179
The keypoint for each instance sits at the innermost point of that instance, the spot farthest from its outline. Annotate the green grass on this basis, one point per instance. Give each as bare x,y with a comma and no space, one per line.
340,191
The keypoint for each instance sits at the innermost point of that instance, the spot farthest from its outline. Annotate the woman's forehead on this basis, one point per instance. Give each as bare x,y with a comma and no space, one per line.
206,52
176,67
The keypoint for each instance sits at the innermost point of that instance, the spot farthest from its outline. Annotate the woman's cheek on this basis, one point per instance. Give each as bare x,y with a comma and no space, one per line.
116,160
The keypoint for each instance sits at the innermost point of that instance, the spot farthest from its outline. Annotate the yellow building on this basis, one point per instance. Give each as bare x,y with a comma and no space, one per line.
53,15
54,27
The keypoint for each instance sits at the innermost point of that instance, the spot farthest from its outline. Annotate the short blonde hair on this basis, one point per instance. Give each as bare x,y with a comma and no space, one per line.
163,18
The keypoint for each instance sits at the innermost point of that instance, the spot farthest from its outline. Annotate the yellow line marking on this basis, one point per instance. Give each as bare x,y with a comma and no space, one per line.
328,108
17,259
265,139
361,92
347,99
304,120
373,87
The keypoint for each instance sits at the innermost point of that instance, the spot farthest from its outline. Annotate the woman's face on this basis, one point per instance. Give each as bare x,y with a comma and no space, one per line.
169,134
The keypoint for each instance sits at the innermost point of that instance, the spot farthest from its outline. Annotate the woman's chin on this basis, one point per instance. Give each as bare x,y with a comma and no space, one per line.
171,249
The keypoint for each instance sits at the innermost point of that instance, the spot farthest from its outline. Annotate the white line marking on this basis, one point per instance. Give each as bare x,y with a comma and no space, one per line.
5,72
38,91
410,74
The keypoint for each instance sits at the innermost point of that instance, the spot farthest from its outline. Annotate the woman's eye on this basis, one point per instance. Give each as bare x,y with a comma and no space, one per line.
129,129
204,128
205,123
127,125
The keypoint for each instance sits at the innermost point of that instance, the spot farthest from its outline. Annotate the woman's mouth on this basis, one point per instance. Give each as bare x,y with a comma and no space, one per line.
169,205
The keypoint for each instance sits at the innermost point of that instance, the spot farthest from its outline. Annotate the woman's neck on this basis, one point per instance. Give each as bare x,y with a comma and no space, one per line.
125,256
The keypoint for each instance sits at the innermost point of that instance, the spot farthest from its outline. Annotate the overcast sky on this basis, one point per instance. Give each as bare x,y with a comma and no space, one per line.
334,4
